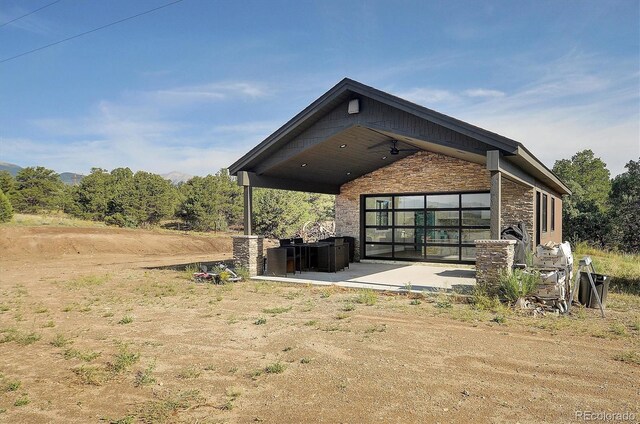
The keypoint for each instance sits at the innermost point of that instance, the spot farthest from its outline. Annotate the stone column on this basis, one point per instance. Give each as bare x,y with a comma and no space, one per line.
492,258
247,253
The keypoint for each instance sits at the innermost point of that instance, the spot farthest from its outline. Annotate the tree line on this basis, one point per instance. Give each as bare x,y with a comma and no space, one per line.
601,210
141,199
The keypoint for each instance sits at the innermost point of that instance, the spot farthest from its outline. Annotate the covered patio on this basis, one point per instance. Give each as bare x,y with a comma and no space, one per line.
390,276
411,184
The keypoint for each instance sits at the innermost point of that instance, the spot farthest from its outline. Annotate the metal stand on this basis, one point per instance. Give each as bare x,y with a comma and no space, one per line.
585,265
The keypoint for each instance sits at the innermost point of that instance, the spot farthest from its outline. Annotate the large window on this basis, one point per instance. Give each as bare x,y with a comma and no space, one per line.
545,215
425,227
553,213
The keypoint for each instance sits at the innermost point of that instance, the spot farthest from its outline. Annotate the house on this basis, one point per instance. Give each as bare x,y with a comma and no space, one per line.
410,183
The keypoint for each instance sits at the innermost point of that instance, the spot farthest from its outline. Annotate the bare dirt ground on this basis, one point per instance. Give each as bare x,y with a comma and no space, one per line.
89,334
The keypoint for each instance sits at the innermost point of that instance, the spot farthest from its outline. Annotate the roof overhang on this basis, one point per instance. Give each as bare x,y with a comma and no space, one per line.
325,146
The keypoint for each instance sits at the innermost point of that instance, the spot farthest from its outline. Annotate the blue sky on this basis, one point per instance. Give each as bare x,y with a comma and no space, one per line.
193,86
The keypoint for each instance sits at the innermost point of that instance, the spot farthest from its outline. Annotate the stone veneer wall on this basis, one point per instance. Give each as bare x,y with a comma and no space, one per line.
421,172
517,205
248,253
492,258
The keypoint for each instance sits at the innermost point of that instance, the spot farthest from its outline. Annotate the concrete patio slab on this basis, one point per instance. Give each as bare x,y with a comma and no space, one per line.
391,276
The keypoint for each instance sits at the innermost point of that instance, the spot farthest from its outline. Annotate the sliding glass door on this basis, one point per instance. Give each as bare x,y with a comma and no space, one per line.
435,227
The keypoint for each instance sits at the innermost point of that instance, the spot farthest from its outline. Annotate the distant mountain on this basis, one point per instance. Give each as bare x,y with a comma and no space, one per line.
12,168
176,177
71,178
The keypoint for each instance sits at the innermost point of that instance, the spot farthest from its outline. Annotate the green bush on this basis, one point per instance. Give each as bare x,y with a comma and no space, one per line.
6,210
518,284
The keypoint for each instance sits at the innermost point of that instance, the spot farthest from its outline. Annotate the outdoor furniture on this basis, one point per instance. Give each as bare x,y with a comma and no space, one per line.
351,241
293,253
322,256
331,257
277,262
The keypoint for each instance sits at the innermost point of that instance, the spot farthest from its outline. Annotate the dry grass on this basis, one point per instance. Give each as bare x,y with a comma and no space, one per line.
196,351
624,268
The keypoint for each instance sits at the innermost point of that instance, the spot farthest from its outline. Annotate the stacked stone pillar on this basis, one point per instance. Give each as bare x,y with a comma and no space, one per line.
493,257
248,253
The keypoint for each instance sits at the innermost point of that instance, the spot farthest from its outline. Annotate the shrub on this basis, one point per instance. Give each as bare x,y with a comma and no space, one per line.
367,297
484,300
518,284
6,210
275,368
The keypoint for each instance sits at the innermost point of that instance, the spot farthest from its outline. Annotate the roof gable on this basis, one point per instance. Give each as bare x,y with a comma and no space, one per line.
293,138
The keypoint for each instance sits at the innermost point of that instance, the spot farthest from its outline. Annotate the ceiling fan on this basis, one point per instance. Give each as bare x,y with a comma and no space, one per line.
394,150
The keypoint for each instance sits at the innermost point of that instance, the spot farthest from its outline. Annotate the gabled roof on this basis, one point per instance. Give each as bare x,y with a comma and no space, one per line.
349,89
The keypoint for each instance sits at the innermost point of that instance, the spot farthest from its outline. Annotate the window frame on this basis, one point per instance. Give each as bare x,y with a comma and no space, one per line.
420,240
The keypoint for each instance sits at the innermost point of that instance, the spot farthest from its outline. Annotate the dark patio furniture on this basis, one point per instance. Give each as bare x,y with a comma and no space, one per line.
277,262
347,239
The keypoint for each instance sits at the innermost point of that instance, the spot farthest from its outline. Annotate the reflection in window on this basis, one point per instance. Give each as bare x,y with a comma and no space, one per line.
378,202
443,218
443,201
405,235
445,235
442,253
476,218
469,236
377,218
410,218
409,202
408,251
476,200
468,253
379,250
377,235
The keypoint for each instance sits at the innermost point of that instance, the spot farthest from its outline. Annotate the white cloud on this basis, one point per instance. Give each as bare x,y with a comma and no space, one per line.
143,131
483,92
427,96
574,103
212,92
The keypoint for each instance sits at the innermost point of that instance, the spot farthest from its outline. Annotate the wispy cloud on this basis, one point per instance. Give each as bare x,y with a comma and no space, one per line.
141,130
212,92
483,92
426,96
567,105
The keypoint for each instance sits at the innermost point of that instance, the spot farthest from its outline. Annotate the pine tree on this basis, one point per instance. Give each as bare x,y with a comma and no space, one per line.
6,210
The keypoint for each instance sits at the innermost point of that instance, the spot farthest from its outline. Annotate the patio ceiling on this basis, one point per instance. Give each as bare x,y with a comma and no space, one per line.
352,153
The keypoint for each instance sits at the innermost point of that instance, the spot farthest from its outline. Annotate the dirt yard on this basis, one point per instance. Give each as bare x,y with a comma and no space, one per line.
90,334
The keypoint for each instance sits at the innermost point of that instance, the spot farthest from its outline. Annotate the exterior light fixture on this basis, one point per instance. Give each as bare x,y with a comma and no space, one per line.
303,165
342,146
354,107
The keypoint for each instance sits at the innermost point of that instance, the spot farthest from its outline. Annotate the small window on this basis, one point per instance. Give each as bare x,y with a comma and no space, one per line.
553,214
545,216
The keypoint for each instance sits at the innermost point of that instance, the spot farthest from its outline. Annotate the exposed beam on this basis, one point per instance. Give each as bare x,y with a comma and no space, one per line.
255,180
496,163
